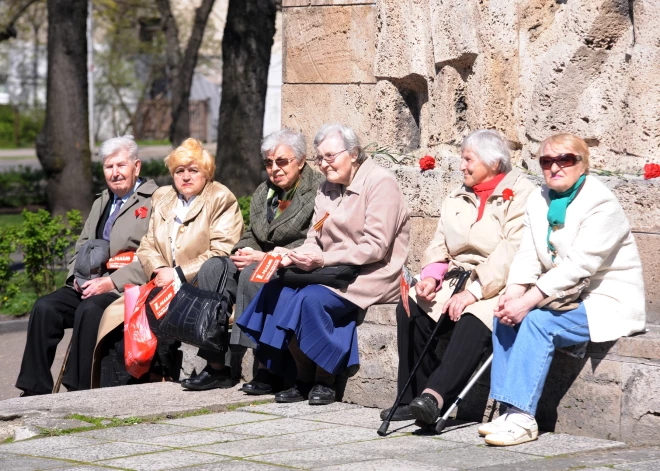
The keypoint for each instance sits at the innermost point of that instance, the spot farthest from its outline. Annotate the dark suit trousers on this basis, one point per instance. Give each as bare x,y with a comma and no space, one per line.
470,340
50,315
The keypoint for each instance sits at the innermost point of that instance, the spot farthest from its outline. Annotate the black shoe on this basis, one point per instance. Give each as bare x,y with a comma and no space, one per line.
425,410
402,413
261,384
210,378
321,395
297,393
28,393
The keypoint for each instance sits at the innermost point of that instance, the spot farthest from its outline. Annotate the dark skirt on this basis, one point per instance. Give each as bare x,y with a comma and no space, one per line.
324,324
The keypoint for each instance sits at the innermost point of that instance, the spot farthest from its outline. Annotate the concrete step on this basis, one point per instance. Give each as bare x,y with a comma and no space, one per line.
613,393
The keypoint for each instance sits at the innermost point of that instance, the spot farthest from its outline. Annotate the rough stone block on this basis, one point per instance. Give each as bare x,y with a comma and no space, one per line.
329,44
306,107
383,314
649,251
640,407
422,230
307,3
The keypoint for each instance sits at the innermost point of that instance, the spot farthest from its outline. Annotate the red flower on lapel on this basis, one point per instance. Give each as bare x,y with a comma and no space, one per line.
507,194
141,212
283,204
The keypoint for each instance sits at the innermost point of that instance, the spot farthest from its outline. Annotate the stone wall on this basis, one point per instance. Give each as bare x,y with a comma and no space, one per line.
418,75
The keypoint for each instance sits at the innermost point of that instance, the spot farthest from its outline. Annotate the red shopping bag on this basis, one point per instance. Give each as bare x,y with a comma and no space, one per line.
139,342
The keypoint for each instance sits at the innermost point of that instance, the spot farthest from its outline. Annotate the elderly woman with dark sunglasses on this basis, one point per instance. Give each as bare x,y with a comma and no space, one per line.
280,214
575,230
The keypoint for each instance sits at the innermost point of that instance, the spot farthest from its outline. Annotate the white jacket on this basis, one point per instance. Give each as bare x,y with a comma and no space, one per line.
595,242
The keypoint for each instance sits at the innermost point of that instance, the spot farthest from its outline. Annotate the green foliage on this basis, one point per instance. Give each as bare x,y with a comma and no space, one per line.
44,241
30,123
7,247
244,204
22,186
20,297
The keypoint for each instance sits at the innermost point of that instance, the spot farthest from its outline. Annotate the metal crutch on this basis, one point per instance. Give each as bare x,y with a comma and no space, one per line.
440,424
382,431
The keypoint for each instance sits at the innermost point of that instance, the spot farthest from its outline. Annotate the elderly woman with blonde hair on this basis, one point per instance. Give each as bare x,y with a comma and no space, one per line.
192,221
576,277
480,228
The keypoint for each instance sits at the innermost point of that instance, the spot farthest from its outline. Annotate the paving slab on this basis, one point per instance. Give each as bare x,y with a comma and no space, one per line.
280,426
103,451
220,420
191,439
385,465
551,444
298,408
28,463
234,465
643,466
470,458
165,460
254,447
364,417
318,457
463,433
130,432
84,468
43,446
400,447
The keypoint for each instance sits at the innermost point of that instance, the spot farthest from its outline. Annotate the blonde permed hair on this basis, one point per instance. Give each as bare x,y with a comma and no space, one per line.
577,144
191,151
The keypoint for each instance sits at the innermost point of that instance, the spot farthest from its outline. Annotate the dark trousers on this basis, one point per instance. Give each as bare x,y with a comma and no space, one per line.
470,340
50,315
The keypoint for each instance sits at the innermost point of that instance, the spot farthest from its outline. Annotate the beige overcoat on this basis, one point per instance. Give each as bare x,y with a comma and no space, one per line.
213,225
125,235
368,226
486,247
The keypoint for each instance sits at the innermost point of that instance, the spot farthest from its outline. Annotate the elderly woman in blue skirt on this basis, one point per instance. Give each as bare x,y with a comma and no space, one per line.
360,218
575,230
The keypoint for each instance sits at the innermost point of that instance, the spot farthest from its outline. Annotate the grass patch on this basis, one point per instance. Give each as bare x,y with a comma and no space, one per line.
22,303
8,440
10,220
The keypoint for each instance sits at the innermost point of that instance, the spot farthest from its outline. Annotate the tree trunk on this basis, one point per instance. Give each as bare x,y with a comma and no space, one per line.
63,144
246,46
182,67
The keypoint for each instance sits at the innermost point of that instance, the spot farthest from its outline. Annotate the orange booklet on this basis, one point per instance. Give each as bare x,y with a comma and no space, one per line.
405,291
266,268
161,303
120,260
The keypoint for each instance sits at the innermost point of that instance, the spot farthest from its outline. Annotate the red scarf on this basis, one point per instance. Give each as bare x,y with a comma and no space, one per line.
485,189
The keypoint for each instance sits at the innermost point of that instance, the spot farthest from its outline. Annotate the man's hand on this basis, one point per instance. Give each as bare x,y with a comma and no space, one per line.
305,261
76,286
425,289
457,304
247,256
96,286
164,276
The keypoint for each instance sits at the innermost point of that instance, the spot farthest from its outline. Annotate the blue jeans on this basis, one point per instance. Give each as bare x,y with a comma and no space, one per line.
522,354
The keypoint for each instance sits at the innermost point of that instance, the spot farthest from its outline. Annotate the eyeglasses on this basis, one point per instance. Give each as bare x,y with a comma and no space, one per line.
329,158
281,162
562,160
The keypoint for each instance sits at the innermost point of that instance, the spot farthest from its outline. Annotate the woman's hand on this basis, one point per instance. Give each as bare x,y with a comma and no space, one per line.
305,261
457,304
512,292
164,276
244,257
512,309
425,289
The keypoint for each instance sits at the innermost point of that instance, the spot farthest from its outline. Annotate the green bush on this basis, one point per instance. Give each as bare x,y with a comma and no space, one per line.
22,186
244,204
30,124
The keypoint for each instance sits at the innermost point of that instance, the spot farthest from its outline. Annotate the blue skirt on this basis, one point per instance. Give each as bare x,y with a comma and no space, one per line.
323,322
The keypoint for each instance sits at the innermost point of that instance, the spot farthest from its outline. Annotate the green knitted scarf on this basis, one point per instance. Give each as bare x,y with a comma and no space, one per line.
557,209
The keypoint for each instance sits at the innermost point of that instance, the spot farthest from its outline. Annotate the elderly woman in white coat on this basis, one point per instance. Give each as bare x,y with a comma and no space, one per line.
480,229
575,229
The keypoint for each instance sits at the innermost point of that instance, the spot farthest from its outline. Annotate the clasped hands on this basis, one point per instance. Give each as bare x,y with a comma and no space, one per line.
305,261
94,287
515,304
454,306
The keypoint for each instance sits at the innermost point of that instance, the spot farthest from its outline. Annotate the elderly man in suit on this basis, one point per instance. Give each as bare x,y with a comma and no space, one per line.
121,217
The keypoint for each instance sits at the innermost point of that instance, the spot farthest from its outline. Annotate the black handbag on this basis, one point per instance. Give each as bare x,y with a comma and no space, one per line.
338,276
200,317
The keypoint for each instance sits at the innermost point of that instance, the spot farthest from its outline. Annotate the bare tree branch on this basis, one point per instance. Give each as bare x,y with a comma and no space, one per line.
9,31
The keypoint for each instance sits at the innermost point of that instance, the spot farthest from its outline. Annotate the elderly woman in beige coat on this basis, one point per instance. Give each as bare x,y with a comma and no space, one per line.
192,221
360,218
480,229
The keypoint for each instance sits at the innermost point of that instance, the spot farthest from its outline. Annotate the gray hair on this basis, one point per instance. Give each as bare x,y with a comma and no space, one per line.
490,147
351,141
285,137
117,144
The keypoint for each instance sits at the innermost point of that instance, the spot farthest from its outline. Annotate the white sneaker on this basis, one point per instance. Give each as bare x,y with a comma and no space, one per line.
494,426
513,434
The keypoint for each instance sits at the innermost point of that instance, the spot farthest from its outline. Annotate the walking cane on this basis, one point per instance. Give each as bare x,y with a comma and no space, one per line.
440,424
58,383
460,281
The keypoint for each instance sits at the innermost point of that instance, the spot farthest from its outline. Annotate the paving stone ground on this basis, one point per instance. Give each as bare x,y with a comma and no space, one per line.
338,437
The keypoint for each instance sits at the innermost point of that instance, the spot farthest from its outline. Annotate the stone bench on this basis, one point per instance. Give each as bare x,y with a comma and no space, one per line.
612,393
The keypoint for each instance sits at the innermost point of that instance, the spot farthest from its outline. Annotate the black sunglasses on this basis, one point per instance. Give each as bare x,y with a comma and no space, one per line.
562,160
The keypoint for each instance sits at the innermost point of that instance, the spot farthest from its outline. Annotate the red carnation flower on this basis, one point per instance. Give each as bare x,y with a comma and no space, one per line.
507,194
427,163
650,171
